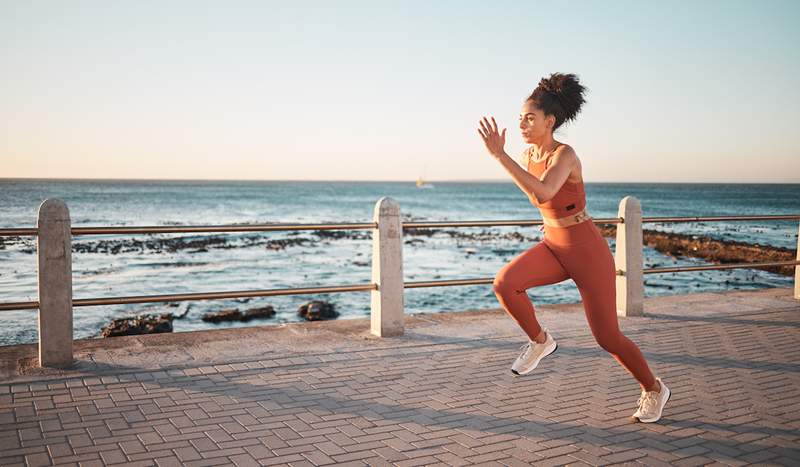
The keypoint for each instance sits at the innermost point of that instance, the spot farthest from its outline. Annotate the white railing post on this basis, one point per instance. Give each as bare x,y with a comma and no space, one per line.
797,268
54,248
387,270
629,259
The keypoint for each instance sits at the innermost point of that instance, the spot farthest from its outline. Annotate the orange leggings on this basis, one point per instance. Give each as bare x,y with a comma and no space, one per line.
579,252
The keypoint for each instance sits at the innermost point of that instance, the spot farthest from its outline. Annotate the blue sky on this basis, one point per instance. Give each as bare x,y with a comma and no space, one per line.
678,91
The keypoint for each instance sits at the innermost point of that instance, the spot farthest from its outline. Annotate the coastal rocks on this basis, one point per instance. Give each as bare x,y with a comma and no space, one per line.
317,310
282,243
192,244
728,251
157,245
28,244
348,234
236,315
418,231
145,323
483,235
142,324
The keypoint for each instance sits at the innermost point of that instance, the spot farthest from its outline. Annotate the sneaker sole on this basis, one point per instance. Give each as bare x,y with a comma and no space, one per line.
669,394
535,364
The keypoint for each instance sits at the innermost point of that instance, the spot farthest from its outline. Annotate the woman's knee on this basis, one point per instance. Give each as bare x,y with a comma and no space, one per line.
610,342
504,283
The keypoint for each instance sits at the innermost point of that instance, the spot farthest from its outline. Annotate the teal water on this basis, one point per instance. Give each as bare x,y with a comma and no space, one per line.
243,262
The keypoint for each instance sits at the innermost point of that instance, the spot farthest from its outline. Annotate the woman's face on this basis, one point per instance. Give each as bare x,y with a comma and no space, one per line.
533,124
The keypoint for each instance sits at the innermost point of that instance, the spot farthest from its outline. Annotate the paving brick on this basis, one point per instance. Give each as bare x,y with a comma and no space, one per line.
417,405
318,458
38,459
113,456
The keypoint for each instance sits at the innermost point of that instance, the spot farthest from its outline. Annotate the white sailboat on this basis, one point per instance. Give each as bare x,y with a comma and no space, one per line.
421,183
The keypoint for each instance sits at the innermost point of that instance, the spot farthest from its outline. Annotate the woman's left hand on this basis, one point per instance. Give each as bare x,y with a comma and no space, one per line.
494,139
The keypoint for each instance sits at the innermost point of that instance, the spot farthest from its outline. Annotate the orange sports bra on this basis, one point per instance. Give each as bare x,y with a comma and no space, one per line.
570,199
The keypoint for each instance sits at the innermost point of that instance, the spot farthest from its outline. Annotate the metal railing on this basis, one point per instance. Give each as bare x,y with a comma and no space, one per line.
387,258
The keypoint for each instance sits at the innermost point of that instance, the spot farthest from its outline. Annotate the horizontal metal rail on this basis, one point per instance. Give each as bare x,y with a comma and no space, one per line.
196,296
722,218
343,288
444,283
439,224
718,266
196,229
364,225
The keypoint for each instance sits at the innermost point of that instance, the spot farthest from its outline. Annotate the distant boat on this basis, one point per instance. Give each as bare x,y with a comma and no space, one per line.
423,184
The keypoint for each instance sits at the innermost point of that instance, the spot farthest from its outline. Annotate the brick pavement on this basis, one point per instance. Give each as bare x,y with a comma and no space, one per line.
732,361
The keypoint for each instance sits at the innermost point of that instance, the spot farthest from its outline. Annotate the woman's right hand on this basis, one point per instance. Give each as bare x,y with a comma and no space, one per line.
494,140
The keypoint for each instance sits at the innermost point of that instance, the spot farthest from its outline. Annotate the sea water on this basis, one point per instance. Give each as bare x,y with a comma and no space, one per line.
242,261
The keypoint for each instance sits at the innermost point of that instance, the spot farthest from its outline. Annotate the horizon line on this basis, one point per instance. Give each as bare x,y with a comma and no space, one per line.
431,182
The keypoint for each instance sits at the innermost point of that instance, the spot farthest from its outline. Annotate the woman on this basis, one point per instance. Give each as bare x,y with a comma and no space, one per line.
572,246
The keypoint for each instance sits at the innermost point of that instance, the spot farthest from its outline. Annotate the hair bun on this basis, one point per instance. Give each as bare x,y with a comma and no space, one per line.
560,95
547,84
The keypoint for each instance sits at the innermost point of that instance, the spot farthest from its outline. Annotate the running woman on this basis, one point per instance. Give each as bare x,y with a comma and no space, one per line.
572,246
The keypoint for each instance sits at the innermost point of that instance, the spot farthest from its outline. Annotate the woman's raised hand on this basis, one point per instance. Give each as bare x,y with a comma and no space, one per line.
494,140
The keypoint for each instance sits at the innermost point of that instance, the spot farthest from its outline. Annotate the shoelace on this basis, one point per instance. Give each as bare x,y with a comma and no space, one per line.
647,401
528,350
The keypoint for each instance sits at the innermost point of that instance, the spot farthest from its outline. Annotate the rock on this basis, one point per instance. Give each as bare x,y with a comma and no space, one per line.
332,233
236,315
419,231
281,243
317,310
142,324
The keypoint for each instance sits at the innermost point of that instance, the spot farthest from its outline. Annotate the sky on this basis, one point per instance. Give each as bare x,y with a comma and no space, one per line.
678,91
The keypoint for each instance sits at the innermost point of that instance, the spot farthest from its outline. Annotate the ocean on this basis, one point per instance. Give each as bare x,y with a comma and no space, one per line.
105,266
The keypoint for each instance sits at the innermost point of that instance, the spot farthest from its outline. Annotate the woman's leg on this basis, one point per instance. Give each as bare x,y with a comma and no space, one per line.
536,266
591,266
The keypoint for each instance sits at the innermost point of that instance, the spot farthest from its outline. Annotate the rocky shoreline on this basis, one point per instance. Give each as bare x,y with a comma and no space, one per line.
672,244
713,250
675,245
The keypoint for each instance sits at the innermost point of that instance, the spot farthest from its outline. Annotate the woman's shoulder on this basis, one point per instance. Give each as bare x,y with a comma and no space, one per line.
566,151
563,151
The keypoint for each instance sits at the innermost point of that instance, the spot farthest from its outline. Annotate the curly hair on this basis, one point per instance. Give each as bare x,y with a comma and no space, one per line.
560,95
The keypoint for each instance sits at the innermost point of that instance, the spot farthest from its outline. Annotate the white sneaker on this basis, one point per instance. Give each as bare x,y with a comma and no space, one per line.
532,353
651,404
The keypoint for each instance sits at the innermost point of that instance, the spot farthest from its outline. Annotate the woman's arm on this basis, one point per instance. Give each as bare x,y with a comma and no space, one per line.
553,178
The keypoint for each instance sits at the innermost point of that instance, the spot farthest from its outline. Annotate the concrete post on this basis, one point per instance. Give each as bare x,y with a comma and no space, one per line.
629,258
387,270
54,248
797,268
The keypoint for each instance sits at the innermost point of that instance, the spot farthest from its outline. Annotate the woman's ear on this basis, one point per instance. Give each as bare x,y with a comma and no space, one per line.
551,121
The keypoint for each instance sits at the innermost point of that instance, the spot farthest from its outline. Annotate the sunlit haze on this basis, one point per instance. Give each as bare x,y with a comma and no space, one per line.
677,91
